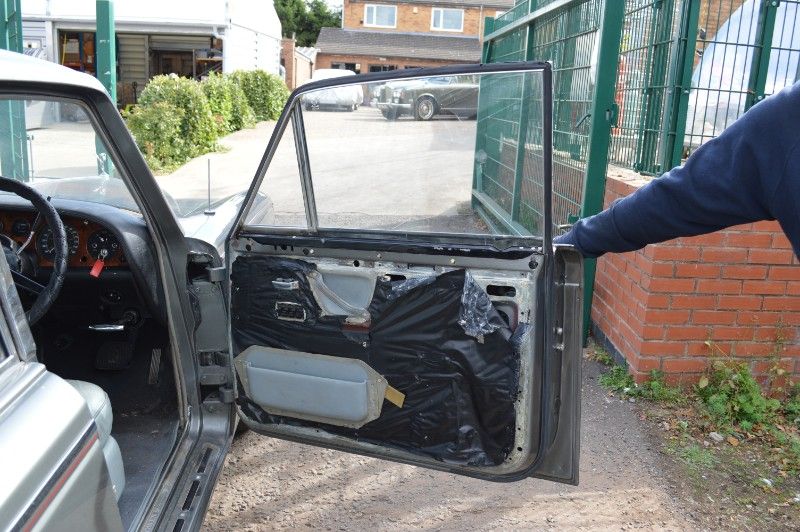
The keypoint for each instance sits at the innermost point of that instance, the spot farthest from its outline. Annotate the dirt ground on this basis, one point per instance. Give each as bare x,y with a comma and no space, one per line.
272,484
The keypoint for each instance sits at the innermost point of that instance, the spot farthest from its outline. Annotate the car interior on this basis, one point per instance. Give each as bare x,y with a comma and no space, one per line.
105,331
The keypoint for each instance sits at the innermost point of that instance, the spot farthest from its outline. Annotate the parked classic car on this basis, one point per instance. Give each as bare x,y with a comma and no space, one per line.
427,97
346,97
130,350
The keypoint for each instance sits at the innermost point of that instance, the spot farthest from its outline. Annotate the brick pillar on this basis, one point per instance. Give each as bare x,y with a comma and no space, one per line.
287,59
677,305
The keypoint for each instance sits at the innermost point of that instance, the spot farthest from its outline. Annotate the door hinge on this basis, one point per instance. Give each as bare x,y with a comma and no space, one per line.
214,375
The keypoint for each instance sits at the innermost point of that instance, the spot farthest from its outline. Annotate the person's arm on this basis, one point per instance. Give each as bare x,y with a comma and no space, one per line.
730,180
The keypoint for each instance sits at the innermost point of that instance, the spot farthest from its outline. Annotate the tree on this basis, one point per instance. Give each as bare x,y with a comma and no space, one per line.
305,19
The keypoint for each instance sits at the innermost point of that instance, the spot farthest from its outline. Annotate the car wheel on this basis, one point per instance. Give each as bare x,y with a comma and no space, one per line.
425,108
389,114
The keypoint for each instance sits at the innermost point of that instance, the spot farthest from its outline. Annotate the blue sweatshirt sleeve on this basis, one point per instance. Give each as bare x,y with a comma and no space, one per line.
730,180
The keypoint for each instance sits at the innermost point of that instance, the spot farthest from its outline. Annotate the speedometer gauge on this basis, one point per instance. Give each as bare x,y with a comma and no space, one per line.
46,245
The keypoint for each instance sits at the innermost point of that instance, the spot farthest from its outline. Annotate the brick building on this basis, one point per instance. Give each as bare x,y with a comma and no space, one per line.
413,33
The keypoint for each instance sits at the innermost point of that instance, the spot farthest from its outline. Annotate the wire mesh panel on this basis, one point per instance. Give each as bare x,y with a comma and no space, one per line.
643,83
689,68
568,39
784,63
725,46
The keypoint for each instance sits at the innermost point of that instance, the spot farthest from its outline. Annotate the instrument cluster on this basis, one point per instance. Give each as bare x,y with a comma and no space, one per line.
87,241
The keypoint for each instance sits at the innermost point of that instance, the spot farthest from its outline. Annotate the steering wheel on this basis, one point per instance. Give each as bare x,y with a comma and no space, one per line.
45,295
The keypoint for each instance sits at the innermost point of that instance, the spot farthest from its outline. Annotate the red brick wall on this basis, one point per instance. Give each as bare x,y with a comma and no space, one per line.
673,306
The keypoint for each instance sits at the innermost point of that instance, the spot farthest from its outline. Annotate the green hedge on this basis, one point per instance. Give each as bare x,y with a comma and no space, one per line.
198,130
157,130
177,119
266,93
228,103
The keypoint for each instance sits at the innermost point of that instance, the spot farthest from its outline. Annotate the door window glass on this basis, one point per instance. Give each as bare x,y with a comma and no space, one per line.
279,202
459,154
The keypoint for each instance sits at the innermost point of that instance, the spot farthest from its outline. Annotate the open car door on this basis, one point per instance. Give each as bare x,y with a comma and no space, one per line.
404,300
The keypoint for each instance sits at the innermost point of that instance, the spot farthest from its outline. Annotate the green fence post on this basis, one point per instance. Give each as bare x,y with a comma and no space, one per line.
106,47
14,149
761,53
106,56
488,27
681,84
603,116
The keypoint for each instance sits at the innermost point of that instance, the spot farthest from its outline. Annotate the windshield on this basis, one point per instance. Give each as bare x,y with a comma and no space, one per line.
53,146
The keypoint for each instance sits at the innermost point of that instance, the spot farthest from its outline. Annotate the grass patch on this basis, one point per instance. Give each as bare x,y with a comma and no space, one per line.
655,388
727,399
695,456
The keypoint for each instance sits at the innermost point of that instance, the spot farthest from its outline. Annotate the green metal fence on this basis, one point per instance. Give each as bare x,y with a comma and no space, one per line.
643,82
581,39
689,68
566,33
639,83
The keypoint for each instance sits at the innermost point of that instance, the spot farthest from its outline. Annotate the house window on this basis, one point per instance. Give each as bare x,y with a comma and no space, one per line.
498,14
380,16
382,68
447,19
355,67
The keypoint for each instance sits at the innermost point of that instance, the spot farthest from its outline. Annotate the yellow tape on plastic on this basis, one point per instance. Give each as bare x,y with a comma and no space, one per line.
394,396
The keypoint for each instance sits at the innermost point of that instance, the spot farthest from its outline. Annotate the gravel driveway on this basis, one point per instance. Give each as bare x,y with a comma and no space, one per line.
272,484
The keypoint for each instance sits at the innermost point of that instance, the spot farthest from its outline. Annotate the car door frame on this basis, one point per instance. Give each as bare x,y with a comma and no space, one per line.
557,447
208,423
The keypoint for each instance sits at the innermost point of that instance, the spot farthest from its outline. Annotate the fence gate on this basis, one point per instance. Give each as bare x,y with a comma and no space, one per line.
581,38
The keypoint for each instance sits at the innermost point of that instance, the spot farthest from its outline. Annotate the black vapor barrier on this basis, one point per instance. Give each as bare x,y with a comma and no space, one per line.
445,347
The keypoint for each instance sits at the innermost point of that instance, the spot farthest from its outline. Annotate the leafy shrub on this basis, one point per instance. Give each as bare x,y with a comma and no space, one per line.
228,103
733,397
198,130
242,114
266,93
220,100
617,379
157,129
791,407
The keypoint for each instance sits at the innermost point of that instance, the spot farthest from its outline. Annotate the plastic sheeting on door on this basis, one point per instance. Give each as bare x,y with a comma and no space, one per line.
460,385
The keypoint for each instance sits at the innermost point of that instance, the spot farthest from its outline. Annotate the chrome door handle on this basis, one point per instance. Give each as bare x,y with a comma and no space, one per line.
107,327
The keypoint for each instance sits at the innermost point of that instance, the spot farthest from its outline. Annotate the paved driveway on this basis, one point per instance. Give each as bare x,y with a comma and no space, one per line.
272,484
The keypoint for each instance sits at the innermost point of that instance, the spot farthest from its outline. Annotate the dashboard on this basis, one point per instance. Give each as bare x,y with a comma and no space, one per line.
128,277
86,240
